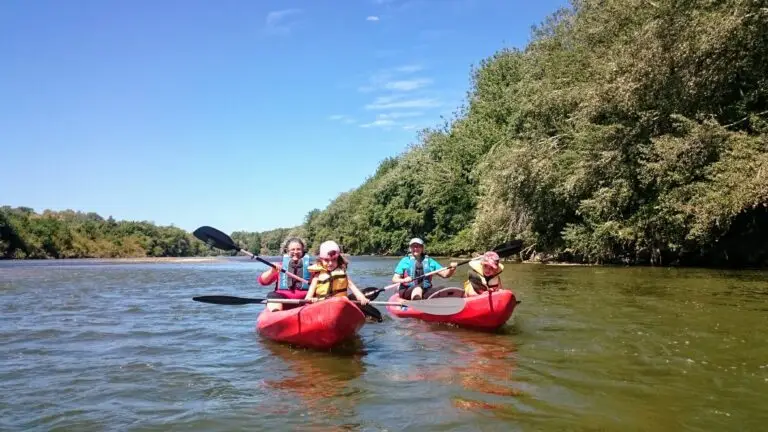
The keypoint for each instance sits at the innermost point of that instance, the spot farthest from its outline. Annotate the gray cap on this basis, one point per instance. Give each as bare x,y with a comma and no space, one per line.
416,240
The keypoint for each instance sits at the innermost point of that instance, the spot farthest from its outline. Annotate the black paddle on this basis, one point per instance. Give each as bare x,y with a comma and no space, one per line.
503,250
438,306
220,240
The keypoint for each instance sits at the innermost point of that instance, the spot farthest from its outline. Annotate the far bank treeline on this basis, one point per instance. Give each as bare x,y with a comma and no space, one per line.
26,234
625,132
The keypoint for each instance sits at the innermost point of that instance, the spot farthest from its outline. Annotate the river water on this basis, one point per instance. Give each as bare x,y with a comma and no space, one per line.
100,345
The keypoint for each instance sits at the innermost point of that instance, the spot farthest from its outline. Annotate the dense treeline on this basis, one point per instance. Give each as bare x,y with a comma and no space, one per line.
627,131
25,234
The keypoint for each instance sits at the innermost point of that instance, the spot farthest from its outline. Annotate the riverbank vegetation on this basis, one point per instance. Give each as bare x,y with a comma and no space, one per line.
25,234
626,131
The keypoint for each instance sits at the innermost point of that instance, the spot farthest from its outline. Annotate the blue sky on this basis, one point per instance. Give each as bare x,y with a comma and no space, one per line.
243,115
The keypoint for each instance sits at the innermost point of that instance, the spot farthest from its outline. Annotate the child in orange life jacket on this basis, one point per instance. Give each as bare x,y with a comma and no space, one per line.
330,276
483,275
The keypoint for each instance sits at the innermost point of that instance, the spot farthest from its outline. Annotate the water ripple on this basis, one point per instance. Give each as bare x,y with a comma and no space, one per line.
105,346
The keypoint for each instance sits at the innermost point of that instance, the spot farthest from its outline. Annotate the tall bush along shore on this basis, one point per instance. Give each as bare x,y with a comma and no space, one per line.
626,131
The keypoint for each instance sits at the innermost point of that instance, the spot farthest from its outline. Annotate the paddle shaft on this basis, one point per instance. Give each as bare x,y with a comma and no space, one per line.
395,285
442,306
497,249
221,240
258,258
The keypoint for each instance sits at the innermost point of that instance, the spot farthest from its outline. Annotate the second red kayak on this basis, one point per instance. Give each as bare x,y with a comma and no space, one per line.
488,311
320,325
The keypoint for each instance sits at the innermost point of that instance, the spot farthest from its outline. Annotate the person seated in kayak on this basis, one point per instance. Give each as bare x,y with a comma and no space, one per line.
416,264
330,276
483,275
295,260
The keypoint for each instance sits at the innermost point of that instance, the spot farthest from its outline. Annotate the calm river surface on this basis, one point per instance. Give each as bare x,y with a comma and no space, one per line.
96,346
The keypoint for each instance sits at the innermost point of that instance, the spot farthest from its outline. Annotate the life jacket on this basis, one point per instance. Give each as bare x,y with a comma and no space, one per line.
481,282
286,282
330,284
415,270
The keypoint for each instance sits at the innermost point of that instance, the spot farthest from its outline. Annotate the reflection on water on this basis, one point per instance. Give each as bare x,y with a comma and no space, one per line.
320,384
479,364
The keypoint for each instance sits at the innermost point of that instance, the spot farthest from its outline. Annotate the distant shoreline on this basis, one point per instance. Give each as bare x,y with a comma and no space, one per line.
126,260
227,257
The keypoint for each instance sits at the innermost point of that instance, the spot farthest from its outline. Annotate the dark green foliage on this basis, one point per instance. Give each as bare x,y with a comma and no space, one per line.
627,131
69,234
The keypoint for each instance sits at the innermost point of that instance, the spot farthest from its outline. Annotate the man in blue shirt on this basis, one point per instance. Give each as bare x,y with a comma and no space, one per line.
414,265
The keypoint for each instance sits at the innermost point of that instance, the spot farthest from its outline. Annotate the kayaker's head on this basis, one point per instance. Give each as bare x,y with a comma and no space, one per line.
330,255
490,262
295,248
417,247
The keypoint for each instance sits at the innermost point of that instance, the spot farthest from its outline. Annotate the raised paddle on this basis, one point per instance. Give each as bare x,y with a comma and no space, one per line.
503,250
438,306
220,240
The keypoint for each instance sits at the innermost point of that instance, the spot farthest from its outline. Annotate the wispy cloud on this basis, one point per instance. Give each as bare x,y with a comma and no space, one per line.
408,85
379,123
372,18
342,118
389,79
388,120
409,68
400,114
279,22
389,102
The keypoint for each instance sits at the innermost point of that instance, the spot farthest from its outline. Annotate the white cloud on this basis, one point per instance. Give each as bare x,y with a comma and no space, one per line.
408,85
388,102
372,18
342,118
409,127
379,123
401,114
278,22
409,68
387,79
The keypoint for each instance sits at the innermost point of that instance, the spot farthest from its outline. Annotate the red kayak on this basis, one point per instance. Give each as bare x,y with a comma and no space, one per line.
318,325
487,311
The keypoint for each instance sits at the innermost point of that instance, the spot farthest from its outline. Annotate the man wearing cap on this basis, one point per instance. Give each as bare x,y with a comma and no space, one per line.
416,264
483,274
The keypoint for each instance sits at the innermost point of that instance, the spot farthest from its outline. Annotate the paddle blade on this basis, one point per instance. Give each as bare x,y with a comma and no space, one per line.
371,293
438,306
227,300
508,248
215,238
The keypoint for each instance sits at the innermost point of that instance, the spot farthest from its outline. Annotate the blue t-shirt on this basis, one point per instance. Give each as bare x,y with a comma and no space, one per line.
430,265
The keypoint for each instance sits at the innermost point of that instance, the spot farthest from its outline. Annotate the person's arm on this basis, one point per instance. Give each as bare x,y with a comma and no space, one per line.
399,270
311,292
356,291
449,271
269,277
399,279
